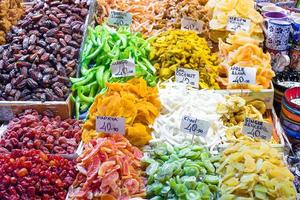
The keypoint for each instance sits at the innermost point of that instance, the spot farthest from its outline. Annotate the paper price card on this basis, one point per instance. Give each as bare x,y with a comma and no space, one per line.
108,124
242,75
237,24
257,129
187,76
122,68
119,18
194,126
188,24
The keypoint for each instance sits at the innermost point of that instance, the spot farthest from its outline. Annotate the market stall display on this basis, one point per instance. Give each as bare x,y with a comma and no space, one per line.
103,47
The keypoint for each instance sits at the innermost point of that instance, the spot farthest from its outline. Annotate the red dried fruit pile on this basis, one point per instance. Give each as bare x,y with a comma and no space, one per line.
109,168
45,132
33,175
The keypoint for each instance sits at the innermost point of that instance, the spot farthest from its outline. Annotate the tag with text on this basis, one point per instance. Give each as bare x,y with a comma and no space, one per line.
192,25
257,129
110,124
122,68
194,126
187,76
237,24
119,18
242,75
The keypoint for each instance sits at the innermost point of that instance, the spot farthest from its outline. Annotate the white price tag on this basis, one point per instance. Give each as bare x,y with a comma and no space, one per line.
122,68
194,126
187,76
242,75
6,113
108,124
119,18
257,129
237,24
193,25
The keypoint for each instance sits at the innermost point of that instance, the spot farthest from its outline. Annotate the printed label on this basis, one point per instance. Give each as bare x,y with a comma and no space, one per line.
108,124
122,68
237,24
257,129
187,76
194,126
119,18
193,25
242,75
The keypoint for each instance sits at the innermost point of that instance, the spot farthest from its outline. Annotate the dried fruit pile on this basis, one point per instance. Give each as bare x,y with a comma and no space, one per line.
109,168
10,12
42,52
254,170
134,101
104,46
181,173
44,132
293,160
177,48
32,174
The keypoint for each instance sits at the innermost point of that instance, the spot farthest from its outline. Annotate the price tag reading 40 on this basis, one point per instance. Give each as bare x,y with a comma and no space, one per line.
119,18
122,68
237,24
108,124
188,24
257,129
187,76
194,126
242,75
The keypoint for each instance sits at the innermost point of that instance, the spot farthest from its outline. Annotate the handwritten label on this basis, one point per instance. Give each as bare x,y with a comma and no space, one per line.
194,126
119,18
192,25
122,68
110,124
187,76
237,24
257,129
242,75
6,113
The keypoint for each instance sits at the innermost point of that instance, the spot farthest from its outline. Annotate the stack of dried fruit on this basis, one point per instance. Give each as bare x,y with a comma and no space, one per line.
177,48
103,46
109,168
134,101
42,52
34,175
220,10
186,173
243,51
44,132
10,12
254,170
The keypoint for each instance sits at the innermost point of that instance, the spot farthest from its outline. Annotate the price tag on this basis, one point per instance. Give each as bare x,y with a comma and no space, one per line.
6,113
194,126
192,25
237,24
122,68
119,18
255,129
242,75
187,76
110,124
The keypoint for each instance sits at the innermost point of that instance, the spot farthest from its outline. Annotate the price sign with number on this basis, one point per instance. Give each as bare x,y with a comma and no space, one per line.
187,76
192,25
122,68
194,126
257,129
108,124
242,75
119,18
237,24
